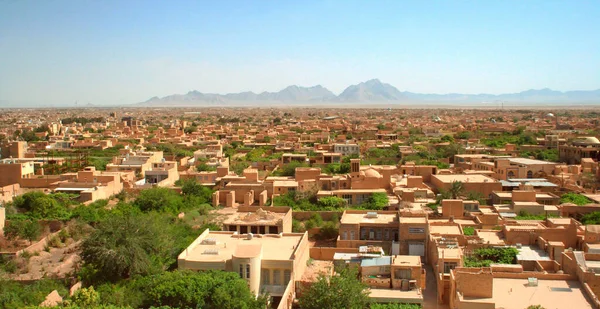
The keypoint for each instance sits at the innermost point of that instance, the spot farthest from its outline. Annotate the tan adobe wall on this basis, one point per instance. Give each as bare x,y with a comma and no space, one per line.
523,196
453,208
474,284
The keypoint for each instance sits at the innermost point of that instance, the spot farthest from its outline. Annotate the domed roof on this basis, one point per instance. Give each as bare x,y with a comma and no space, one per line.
589,140
550,115
371,173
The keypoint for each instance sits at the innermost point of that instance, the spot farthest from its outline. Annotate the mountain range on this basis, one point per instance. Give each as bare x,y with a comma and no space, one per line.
371,91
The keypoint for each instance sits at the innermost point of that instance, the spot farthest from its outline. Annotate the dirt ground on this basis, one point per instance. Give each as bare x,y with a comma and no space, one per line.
430,293
316,268
56,263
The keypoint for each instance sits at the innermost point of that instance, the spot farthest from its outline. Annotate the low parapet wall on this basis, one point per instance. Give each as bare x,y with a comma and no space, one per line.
327,253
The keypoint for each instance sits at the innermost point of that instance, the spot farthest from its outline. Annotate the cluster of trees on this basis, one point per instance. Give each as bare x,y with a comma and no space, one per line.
545,154
172,149
26,135
289,169
308,202
328,229
38,205
343,291
517,137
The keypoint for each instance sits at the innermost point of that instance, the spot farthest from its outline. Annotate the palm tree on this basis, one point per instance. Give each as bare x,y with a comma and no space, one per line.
456,189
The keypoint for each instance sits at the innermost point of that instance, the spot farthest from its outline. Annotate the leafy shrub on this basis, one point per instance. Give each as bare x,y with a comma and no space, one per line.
575,198
86,297
483,257
24,229
468,231
591,218
332,202
14,294
329,230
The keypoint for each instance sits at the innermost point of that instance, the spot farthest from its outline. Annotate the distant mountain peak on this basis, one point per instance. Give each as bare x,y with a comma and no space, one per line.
374,90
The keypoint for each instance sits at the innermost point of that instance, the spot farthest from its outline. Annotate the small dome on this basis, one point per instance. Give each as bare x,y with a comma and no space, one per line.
371,173
550,115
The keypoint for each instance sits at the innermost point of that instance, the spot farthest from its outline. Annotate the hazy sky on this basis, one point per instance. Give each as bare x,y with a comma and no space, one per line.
119,52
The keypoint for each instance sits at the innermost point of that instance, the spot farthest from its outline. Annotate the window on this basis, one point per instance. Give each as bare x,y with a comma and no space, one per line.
247,271
386,235
345,235
287,274
379,234
403,274
448,266
276,277
348,198
351,235
241,271
416,230
363,233
266,277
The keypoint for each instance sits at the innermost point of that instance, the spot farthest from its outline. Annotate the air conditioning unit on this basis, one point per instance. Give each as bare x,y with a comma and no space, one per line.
209,241
371,214
212,251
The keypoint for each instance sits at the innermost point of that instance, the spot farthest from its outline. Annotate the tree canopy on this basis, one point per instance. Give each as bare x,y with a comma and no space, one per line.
340,291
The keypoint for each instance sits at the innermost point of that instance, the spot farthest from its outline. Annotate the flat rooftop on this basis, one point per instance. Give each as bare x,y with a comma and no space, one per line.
406,260
444,229
475,178
449,253
396,296
285,183
459,221
532,253
491,237
226,243
514,293
258,217
526,161
413,220
350,218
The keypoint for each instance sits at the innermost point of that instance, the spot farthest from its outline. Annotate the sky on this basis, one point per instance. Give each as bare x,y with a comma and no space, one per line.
120,52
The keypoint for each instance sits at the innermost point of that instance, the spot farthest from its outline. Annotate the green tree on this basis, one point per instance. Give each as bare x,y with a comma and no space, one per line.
188,289
376,201
126,245
24,229
443,195
456,189
447,138
193,188
341,291
290,168
161,199
476,196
